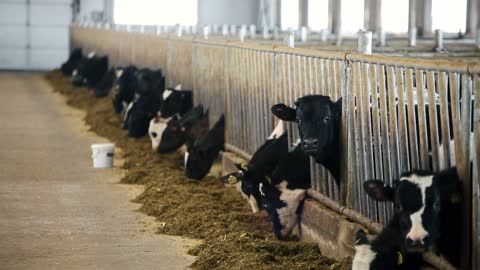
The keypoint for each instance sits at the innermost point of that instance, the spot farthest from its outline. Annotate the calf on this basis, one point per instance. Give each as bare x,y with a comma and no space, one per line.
319,125
90,71
72,62
139,114
185,130
200,156
261,165
429,208
385,252
126,83
283,193
176,101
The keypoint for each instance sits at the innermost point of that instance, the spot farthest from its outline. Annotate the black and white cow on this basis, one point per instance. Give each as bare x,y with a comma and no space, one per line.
139,113
319,124
90,70
260,166
200,156
102,89
182,131
429,206
176,101
125,85
283,193
72,62
385,252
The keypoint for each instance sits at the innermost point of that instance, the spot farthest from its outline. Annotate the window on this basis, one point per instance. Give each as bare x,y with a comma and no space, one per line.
318,14
290,10
449,16
352,16
395,16
155,12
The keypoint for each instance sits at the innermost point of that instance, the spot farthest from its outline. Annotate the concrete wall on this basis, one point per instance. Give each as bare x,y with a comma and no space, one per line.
228,11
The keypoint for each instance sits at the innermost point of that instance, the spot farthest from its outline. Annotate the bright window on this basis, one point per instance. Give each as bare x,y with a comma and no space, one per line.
449,15
290,10
155,12
395,16
352,16
318,14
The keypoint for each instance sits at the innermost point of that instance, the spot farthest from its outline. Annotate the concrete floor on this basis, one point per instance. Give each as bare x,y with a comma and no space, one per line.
56,212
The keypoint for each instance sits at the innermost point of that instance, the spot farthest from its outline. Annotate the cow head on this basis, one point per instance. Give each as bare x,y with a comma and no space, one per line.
418,197
202,153
149,81
178,131
317,118
248,180
156,128
139,115
260,166
368,257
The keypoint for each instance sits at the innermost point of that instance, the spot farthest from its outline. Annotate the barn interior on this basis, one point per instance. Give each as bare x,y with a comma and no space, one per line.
254,134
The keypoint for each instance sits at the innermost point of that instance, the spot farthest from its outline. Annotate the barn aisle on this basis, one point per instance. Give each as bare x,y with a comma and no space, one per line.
56,212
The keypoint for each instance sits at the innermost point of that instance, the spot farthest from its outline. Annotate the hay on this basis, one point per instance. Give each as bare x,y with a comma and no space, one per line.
233,237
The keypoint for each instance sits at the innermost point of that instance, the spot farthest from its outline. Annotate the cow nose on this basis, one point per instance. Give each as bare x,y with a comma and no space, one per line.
418,242
310,145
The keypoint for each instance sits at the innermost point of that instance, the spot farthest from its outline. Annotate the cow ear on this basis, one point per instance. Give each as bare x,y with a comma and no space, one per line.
338,107
361,238
284,112
378,190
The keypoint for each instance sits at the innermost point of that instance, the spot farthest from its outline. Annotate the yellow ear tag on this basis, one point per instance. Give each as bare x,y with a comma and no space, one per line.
399,258
244,166
232,180
268,179
456,198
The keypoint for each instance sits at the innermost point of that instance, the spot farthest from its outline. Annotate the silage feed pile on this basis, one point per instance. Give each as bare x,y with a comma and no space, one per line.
232,236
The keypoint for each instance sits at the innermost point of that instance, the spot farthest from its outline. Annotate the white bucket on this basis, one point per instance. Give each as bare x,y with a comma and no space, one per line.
102,155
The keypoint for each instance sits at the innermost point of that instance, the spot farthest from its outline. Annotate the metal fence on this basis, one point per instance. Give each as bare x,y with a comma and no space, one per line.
398,113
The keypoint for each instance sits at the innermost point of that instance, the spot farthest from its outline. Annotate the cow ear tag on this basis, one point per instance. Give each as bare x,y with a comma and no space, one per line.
399,258
232,180
244,166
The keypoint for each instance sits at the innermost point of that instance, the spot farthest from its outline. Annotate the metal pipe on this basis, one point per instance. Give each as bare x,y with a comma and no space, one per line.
206,32
382,37
303,34
233,30
225,30
324,35
252,31
438,40
364,42
266,32
291,39
412,36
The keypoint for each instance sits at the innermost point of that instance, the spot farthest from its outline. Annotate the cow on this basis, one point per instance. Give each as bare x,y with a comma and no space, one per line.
200,156
156,128
125,85
283,193
72,62
261,165
102,89
176,101
139,114
319,125
90,71
429,206
183,131
385,252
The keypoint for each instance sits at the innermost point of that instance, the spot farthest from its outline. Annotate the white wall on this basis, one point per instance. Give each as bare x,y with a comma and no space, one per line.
228,11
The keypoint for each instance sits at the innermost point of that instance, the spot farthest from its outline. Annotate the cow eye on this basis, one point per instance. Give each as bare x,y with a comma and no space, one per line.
326,119
299,121
154,134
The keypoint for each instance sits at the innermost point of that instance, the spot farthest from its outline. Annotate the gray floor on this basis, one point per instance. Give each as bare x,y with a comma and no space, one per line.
55,211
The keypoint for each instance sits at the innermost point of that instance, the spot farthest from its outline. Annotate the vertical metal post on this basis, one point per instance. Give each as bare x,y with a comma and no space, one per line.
179,30
382,37
276,33
291,39
233,30
265,32
438,40
412,36
477,38
225,30
303,34
252,31
206,32
242,33
365,42
324,35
